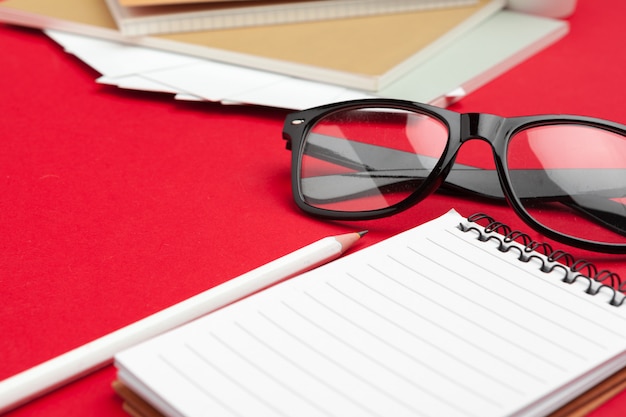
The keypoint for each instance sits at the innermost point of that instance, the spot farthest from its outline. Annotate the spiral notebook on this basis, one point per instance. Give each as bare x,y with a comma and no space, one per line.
446,319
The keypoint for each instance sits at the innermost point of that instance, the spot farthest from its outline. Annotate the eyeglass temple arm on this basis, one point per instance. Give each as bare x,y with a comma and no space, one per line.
536,183
607,212
374,160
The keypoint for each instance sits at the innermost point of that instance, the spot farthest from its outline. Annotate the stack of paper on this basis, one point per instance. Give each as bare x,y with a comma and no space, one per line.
434,56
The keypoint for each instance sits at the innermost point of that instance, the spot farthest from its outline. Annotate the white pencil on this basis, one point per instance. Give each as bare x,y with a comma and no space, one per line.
43,378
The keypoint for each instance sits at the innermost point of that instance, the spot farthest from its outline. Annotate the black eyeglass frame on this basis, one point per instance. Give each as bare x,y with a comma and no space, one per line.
462,127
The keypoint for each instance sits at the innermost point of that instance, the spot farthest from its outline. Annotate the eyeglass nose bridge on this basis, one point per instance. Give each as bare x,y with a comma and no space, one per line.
480,126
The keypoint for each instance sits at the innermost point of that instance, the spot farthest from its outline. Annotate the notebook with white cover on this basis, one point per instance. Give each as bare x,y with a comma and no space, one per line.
444,319
188,17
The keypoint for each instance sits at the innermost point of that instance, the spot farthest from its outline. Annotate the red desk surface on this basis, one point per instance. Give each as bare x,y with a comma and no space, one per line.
115,204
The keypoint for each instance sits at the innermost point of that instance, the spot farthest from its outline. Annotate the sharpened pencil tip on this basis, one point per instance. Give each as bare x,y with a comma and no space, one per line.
363,232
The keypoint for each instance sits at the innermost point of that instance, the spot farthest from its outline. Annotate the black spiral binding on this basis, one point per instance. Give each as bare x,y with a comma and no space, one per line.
552,259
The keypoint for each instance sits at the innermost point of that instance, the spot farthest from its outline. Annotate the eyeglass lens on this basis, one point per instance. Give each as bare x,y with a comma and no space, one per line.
368,159
568,177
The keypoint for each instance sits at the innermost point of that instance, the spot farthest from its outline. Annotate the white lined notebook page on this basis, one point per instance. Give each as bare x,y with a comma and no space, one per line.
431,322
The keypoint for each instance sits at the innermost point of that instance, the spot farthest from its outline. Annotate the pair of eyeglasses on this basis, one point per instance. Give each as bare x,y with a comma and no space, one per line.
564,175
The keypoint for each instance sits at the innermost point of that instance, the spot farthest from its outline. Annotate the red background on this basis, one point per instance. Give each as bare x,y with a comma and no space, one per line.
115,204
